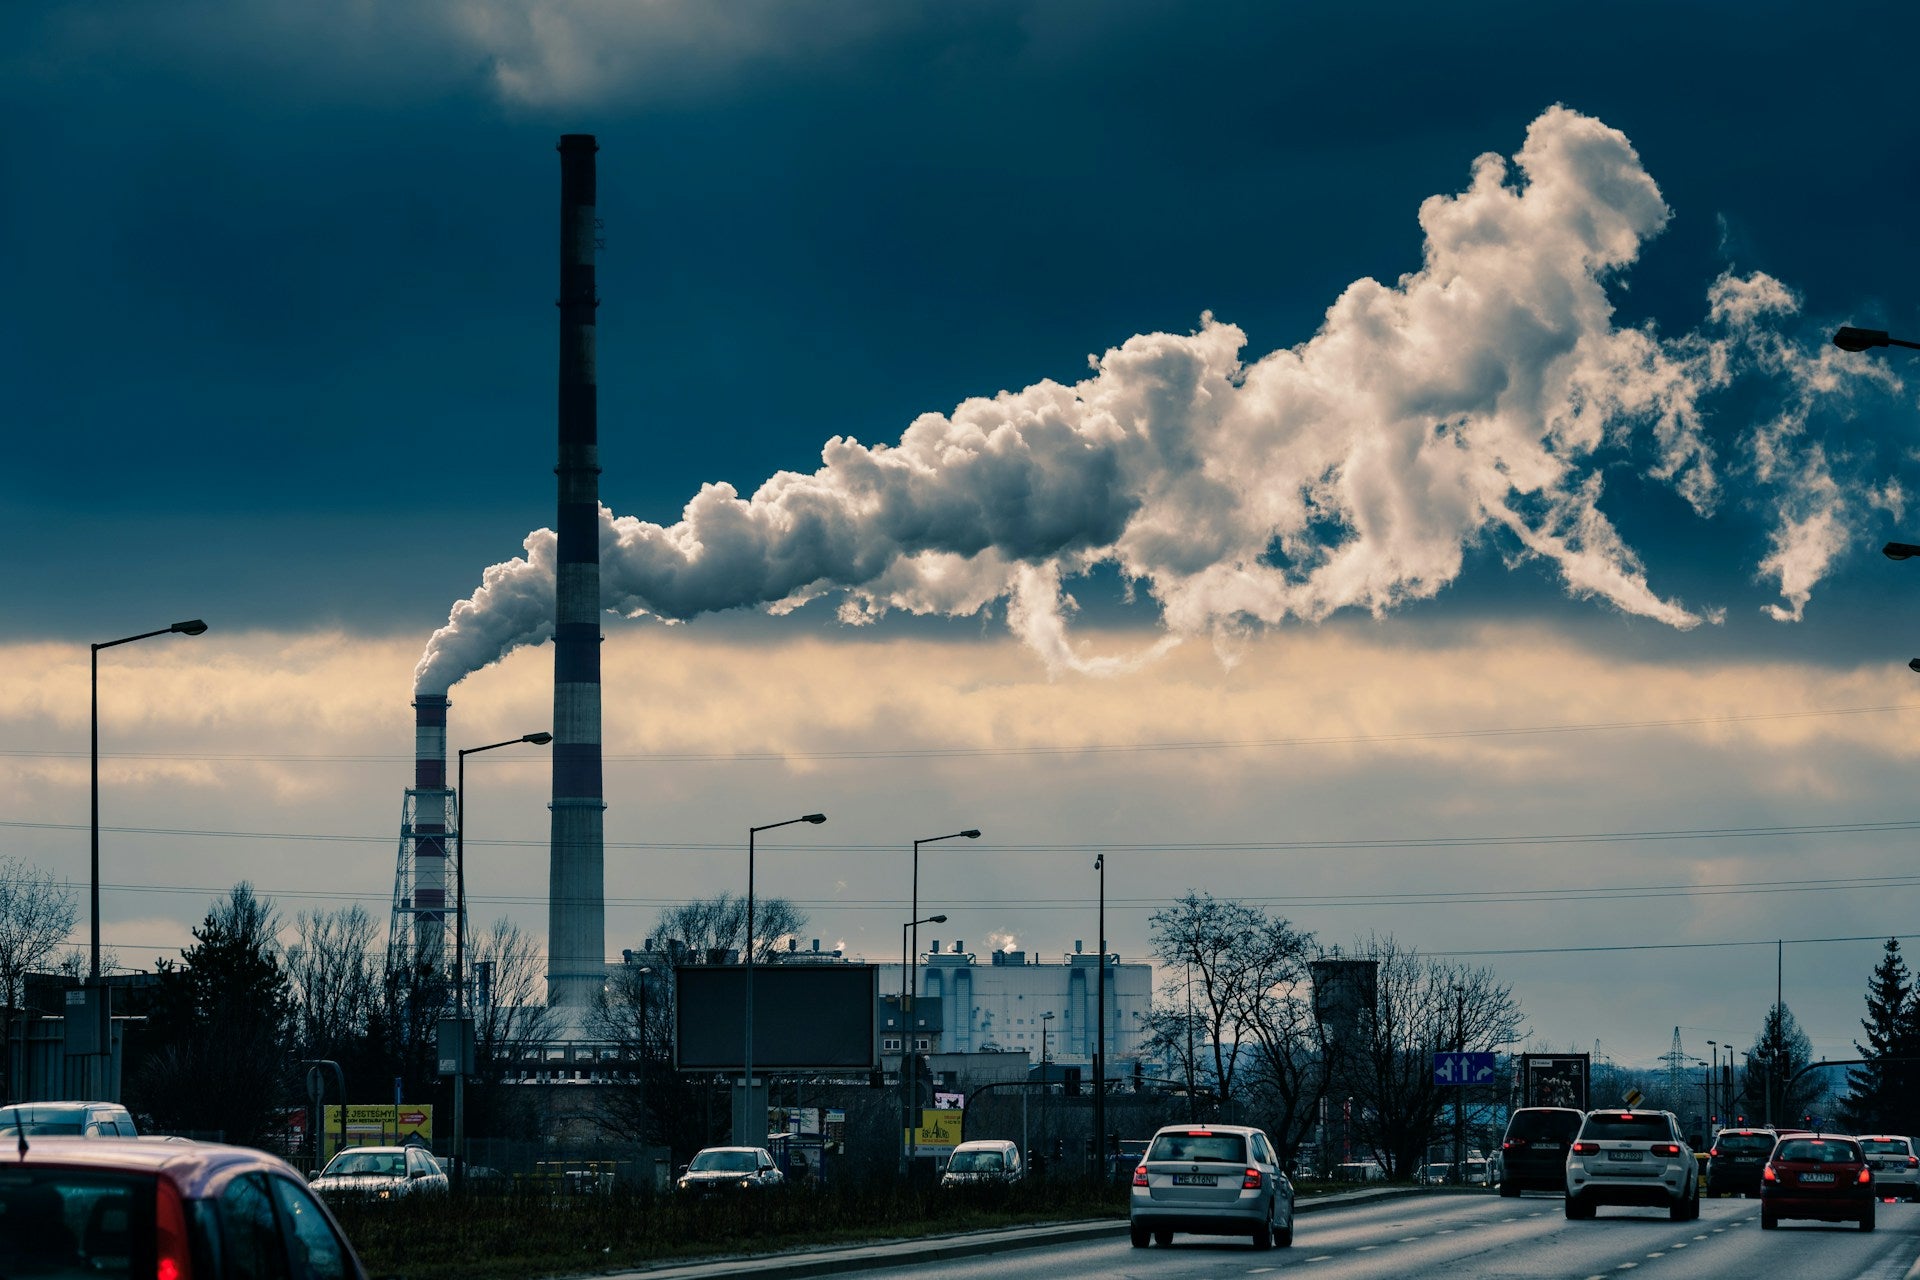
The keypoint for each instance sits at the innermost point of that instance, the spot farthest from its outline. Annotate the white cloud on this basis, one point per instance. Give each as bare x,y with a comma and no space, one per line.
1480,398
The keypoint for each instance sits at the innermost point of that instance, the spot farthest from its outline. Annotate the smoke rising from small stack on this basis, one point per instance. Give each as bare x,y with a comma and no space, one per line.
1480,399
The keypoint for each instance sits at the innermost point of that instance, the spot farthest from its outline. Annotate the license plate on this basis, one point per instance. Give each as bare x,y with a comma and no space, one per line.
1203,1179
1624,1155
1816,1177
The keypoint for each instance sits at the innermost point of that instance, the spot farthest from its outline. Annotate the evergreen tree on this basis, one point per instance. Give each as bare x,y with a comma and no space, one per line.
1778,1089
1878,1097
222,1029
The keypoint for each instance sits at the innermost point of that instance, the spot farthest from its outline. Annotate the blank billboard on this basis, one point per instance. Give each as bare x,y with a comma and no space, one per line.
805,1017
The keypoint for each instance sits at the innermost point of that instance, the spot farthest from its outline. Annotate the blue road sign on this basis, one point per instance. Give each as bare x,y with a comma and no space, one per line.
1463,1068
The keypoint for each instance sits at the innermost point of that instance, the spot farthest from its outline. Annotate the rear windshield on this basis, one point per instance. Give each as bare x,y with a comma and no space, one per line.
1228,1148
1818,1151
1616,1126
1883,1147
359,1164
1535,1125
1745,1144
66,1222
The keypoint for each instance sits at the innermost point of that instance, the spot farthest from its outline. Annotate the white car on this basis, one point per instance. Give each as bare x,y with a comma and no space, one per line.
730,1169
1896,1169
381,1173
1632,1158
1211,1179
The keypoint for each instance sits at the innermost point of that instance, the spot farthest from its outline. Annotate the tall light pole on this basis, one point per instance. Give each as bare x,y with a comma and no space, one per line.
191,627
1046,1081
460,945
1713,1056
907,983
908,1073
742,1137
1100,1028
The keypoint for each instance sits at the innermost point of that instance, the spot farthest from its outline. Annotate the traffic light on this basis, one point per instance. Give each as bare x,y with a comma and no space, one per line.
876,1079
1072,1077
1059,1148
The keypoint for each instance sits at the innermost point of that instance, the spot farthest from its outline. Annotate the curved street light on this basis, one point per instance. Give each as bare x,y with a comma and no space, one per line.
1848,338
740,1138
191,627
908,1060
461,1065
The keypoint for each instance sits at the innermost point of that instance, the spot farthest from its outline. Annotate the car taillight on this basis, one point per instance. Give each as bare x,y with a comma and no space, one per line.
1912,1161
1767,1175
1252,1181
1665,1149
1714,1154
172,1251
1586,1148
1140,1175
1866,1176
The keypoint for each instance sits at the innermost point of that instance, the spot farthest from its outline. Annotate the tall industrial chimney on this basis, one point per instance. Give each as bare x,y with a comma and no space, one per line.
417,934
576,904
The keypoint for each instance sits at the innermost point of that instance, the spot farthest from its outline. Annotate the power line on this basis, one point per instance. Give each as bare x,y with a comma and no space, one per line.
926,753
1089,846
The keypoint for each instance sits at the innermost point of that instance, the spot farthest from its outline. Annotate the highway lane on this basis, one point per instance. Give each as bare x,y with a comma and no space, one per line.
1488,1239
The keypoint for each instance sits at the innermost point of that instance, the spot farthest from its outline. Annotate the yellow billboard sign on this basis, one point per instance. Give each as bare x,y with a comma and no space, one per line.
938,1128
378,1126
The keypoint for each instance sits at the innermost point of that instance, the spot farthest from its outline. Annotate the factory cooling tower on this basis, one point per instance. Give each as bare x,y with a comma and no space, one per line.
576,906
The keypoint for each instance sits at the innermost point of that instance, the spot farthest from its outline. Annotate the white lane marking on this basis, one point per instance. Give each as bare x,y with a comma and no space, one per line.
1626,1266
1678,1244
1446,1232
1699,1237
1321,1257
1406,1239
1366,1248
1657,1255
1515,1218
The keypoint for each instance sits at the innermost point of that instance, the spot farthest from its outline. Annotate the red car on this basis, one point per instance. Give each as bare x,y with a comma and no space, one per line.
127,1207
1817,1175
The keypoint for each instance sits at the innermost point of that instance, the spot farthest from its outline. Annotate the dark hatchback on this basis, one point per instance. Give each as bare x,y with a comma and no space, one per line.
1533,1155
1822,1176
1738,1156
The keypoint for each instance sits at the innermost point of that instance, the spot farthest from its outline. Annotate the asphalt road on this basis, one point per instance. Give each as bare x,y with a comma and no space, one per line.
1487,1239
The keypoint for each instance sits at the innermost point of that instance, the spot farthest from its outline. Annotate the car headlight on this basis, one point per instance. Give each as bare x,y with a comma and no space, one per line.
386,1193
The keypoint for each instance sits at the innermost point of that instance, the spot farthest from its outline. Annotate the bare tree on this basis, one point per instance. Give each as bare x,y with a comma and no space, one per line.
336,983
1421,1006
1236,955
36,914
719,924
510,1023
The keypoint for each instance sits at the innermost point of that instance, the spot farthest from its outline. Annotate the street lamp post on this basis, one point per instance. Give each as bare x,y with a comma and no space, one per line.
741,1136
908,1073
1046,1080
460,944
1713,1056
191,627
907,984
1100,1027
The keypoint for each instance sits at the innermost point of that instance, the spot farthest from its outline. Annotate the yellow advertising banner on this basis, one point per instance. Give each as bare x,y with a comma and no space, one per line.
938,1128
378,1126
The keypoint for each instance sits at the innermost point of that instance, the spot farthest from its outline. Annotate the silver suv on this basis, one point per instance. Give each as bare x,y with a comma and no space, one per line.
1632,1158
1213,1179
69,1119
1896,1170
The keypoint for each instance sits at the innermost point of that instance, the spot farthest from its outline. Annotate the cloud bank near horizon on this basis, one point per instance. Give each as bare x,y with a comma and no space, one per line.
1479,399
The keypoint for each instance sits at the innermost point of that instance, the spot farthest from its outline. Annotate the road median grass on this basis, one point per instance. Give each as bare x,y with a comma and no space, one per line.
529,1231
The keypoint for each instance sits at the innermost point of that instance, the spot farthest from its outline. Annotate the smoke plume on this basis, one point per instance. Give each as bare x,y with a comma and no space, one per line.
1477,400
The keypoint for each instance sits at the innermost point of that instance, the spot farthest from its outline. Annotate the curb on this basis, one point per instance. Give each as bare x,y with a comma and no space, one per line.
899,1253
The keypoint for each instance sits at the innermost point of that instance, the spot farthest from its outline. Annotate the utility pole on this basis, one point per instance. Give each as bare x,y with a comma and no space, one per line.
1459,1109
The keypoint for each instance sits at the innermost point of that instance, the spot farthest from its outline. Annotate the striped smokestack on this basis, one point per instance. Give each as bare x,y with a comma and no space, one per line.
576,907
431,809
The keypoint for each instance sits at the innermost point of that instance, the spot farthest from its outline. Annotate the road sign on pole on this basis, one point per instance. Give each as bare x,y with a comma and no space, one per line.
1462,1068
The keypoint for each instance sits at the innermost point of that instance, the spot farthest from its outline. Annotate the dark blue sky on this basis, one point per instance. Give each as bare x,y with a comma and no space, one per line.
278,332
277,348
